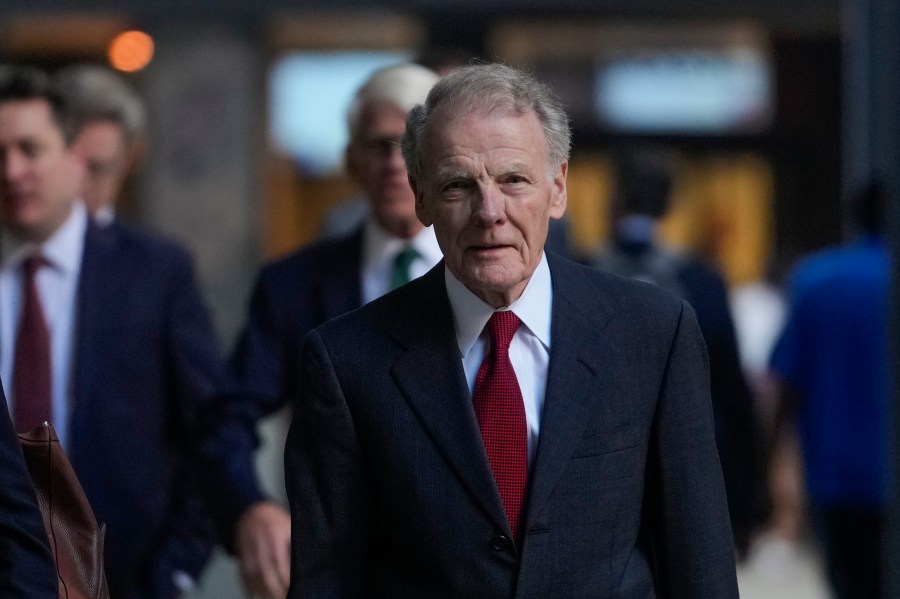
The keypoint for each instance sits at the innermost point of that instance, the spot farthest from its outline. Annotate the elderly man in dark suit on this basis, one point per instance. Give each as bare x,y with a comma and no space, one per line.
510,424
26,565
119,353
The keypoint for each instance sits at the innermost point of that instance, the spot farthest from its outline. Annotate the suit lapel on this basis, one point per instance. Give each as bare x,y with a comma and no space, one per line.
581,353
430,376
93,308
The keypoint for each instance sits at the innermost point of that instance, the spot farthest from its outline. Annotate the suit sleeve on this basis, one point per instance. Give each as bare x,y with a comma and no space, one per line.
326,484
257,389
26,565
739,434
686,501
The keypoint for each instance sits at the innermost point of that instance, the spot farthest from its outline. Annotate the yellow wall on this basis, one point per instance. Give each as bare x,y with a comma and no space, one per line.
721,208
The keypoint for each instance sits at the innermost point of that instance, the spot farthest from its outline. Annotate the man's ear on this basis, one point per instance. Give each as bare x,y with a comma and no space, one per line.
77,157
559,198
137,149
350,164
76,146
421,208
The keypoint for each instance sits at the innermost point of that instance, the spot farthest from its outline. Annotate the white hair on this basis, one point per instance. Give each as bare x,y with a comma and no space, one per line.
98,94
403,86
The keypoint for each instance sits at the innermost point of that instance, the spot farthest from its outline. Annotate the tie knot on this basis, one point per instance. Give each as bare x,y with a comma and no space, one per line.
402,262
502,326
405,257
32,263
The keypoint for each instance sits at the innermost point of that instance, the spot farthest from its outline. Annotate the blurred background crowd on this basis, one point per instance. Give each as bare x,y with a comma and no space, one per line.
742,154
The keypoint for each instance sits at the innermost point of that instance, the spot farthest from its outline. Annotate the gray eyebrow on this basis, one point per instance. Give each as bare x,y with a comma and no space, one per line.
453,172
462,172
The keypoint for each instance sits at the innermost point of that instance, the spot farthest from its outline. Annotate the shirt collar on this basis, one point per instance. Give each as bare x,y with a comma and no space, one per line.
105,215
63,248
471,313
380,247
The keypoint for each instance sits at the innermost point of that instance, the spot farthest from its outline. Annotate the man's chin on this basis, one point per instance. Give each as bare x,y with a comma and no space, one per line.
25,231
392,198
399,223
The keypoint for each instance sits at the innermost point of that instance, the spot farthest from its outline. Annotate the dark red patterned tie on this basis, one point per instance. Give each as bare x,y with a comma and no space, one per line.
31,367
501,416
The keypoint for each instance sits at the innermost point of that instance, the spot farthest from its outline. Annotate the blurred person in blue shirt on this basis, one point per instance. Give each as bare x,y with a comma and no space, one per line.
831,365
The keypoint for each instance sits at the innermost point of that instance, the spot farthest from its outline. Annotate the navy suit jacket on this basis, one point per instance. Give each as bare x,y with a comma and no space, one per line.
291,296
26,565
146,359
392,494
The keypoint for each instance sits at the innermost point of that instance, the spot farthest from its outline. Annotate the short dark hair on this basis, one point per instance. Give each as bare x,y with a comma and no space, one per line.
21,83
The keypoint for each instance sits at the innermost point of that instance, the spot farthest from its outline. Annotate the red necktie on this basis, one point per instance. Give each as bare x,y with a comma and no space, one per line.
501,417
31,368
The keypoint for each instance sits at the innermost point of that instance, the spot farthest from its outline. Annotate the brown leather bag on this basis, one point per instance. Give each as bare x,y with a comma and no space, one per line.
76,540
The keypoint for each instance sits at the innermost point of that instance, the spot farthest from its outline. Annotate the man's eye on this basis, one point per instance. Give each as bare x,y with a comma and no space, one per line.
452,185
381,146
30,149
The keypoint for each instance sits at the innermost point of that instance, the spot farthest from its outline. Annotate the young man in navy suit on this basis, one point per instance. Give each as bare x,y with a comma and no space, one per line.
130,352
510,424
302,290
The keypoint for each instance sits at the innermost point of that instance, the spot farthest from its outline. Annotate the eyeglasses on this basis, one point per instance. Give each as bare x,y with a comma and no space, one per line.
381,147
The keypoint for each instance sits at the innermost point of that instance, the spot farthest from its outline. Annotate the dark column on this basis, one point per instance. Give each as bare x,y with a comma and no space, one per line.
205,92
872,148
886,108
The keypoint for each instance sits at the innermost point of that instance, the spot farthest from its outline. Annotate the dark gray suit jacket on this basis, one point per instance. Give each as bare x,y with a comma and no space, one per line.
390,488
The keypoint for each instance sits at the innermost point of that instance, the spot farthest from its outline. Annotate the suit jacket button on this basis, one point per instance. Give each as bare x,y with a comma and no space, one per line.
501,543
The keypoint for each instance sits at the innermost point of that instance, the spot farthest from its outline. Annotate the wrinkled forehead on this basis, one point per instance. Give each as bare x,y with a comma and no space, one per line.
448,121
379,115
476,106
448,117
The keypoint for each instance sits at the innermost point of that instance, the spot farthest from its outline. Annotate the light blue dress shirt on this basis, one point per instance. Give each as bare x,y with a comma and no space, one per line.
57,285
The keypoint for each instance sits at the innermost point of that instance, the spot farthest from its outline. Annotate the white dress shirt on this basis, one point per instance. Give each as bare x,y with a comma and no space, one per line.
529,350
380,250
57,285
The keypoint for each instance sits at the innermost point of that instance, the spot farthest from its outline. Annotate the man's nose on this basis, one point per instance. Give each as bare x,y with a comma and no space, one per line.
394,156
490,205
13,166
